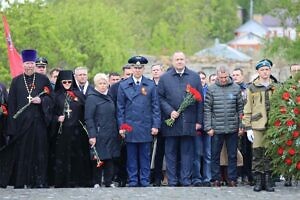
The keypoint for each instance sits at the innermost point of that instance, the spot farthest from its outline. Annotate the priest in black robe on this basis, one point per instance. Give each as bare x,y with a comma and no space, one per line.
23,162
72,158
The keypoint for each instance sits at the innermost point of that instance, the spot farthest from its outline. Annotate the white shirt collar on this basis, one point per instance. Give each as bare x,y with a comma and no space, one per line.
137,80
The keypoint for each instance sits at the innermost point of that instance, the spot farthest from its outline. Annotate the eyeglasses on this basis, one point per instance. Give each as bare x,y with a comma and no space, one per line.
66,82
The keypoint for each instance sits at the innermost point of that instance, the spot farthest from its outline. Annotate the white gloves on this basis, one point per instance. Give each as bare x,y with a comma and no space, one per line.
250,135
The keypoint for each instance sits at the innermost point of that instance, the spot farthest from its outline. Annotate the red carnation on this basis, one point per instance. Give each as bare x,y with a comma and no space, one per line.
197,96
46,90
296,111
282,109
288,161
4,110
126,127
292,151
290,123
277,123
286,96
72,95
289,142
298,99
298,165
280,151
295,134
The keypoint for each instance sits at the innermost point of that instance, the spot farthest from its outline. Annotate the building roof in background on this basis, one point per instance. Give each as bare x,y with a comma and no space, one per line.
248,39
271,21
254,27
223,51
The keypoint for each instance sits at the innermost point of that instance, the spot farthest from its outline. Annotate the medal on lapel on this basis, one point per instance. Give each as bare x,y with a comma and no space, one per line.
143,91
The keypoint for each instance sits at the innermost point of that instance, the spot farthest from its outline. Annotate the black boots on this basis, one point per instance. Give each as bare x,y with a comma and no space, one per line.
268,182
259,179
263,181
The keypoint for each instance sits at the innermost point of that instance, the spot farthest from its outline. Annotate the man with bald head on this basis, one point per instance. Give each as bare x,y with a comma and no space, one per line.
179,138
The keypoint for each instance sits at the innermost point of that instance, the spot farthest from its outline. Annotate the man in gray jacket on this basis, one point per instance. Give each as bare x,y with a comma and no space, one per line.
223,108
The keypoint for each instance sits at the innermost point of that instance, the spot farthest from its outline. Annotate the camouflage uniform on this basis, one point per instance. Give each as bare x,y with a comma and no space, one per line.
256,118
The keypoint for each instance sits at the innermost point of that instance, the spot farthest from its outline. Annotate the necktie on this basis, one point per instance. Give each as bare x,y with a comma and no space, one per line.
81,88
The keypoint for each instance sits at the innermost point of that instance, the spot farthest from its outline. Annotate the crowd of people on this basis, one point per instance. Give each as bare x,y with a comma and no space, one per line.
59,130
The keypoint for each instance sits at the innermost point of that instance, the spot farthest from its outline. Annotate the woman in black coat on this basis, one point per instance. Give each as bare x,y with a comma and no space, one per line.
100,118
72,162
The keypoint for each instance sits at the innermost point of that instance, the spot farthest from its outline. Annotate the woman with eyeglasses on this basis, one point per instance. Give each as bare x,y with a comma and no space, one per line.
72,163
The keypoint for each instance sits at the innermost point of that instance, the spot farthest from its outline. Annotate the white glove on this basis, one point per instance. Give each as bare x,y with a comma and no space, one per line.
250,135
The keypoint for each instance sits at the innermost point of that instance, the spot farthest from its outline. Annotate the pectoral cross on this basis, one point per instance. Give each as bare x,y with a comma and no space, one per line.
29,98
68,111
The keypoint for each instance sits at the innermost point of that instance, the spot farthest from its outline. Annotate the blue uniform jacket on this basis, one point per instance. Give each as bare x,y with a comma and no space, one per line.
138,106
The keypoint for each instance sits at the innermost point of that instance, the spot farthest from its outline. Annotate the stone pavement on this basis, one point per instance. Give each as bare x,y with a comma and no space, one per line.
153,193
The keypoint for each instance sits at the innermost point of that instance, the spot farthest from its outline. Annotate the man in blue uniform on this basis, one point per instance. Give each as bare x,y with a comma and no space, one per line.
138,106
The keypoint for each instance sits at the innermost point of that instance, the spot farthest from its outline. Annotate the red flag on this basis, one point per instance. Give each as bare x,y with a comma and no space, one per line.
15,60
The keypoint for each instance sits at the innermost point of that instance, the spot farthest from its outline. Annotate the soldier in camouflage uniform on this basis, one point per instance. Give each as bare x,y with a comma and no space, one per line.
255,121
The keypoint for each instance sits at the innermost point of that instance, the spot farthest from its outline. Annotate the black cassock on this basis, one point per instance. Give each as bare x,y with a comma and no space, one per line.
72,162
24,160
3,117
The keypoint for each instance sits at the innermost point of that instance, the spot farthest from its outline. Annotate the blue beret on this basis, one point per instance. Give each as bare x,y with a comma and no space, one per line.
264,63
41,61
138,60
29,55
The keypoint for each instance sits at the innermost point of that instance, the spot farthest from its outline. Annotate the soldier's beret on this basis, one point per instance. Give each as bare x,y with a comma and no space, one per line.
264,63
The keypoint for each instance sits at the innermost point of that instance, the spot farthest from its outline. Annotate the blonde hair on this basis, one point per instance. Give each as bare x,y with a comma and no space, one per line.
100,76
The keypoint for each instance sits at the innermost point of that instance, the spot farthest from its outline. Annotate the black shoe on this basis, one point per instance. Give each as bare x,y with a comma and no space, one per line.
156,183
198,184
288,182
206,184
122,184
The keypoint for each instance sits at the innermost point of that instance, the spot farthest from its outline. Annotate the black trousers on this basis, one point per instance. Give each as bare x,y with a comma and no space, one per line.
245,146
107,170
159,157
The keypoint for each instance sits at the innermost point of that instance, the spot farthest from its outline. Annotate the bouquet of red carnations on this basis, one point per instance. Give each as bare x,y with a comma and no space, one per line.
191,97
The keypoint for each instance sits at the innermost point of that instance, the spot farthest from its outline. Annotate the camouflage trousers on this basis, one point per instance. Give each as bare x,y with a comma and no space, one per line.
261,162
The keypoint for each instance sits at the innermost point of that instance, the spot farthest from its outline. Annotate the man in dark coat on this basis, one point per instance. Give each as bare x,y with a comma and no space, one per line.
138,106
179,138
26,154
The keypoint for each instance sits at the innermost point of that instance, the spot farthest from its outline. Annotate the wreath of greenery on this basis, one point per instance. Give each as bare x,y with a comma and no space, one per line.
283,135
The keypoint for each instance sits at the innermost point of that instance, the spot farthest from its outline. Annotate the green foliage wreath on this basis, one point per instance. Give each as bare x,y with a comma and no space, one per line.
283,135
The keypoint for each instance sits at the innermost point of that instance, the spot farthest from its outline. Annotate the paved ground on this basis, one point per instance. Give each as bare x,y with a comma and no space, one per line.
161,193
